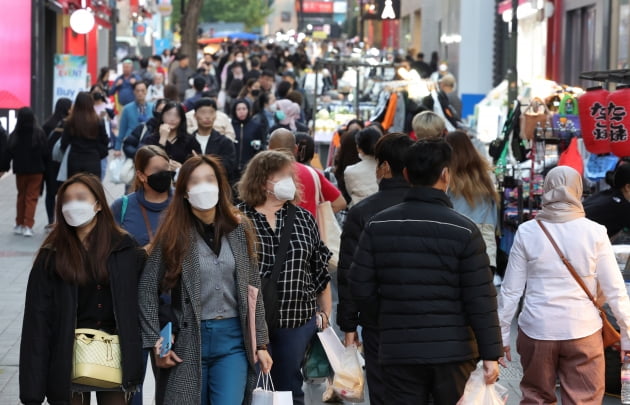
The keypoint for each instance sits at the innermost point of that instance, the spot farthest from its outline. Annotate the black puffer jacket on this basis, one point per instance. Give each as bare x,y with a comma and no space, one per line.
422,269
391,192
50,317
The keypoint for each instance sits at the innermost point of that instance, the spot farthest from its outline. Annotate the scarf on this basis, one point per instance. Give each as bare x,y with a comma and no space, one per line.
561,201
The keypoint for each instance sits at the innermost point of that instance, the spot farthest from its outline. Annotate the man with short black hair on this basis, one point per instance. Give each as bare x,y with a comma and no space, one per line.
267,79
254,72
389,152
199,84
422,272
222,123
212,142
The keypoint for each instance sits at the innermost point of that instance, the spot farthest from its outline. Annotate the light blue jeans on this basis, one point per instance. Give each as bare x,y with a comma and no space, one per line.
223,362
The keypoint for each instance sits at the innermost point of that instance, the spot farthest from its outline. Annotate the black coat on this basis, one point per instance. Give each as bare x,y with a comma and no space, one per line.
28,156
422,269
246,132
50,317
133,141
222,147
179,151
86,153
391,192
609,208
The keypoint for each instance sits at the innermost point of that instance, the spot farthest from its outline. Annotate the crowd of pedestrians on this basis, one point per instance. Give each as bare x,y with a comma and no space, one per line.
217,237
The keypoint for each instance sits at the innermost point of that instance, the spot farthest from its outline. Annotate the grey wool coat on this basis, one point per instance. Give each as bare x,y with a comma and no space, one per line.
182,384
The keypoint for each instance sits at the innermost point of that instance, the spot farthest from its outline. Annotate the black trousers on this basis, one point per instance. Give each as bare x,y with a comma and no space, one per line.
415,384
373,370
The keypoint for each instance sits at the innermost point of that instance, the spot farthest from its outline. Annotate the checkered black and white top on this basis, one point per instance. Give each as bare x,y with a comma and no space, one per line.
305,272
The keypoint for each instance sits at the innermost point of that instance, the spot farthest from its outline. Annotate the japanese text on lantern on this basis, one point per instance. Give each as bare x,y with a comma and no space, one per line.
599,114
618,131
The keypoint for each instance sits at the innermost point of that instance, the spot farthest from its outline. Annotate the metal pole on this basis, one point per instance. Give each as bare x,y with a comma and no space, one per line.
512,73
361,33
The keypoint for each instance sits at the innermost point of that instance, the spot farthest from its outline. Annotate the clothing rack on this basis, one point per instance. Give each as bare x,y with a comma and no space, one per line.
321,63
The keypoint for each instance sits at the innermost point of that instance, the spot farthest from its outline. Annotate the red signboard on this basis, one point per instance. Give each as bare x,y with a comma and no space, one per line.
318,7
15,35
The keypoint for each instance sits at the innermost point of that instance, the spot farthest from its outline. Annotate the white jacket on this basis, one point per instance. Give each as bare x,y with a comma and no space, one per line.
360,179
555,306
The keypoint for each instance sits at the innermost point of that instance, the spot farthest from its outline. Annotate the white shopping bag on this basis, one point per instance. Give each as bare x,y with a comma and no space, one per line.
115,169
266,394
478,393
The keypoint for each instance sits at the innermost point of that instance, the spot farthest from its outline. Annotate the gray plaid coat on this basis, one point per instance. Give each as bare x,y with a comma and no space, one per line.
181,384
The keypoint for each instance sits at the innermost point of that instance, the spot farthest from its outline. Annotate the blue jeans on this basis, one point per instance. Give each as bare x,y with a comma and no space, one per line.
223,362
288,346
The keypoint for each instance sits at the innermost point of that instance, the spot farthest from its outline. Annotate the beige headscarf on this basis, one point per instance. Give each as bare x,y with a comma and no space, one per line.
561,201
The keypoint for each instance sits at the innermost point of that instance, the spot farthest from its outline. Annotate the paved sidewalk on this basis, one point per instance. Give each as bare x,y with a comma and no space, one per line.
16,256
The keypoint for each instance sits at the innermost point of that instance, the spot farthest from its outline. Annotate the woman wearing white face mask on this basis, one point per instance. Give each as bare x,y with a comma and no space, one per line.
268,192
85,276
204,256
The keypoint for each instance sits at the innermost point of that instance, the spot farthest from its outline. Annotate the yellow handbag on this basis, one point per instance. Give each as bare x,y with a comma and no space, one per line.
96,361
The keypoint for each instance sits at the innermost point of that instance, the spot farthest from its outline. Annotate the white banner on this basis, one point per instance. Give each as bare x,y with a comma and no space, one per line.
69,76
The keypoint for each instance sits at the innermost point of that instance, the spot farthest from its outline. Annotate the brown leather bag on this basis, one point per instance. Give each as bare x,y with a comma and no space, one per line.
610,336
536,113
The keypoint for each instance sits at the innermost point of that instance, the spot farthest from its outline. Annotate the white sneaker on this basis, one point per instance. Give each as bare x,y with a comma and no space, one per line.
18,230
28,232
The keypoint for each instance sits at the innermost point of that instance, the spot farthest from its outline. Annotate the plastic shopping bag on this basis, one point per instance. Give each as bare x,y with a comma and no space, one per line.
478,393
115,169
349,380
266,394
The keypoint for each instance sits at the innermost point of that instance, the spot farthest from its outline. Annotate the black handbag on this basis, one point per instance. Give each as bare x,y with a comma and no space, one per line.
270,284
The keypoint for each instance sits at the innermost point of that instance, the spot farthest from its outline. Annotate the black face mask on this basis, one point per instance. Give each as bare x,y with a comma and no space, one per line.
255,93
160,181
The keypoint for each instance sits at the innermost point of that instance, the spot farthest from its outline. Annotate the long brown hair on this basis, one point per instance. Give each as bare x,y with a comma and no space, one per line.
470,172
251,188
72,261
141,161
83,121
179,220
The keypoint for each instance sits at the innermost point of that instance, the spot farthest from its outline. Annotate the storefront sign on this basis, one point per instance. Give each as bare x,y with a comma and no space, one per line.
69,76
318,7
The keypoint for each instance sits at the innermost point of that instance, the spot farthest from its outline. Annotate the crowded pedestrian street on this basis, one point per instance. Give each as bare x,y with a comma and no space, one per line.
305,202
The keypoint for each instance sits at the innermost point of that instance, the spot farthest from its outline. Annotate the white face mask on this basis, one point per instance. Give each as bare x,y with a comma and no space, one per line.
239,59
284,190
203,196
78,213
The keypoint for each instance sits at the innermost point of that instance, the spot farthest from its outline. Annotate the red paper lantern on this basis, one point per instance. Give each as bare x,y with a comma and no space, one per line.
593,108
619,121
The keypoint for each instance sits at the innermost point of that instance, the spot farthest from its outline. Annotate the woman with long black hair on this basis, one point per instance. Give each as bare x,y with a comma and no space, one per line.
53,128
172,135
84,132
85,276
28,152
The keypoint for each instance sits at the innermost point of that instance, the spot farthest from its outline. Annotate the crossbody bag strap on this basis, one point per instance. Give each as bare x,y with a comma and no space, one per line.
147,223
281,252
569,265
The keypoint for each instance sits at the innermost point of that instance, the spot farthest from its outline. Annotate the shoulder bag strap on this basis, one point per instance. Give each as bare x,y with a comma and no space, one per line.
569,265
281,252
147,223
123,208
318,185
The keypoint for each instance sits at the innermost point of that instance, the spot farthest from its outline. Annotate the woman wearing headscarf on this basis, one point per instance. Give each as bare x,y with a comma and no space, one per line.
287,116
559,327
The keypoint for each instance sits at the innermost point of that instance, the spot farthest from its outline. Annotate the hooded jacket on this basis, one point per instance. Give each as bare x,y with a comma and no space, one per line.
247,131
